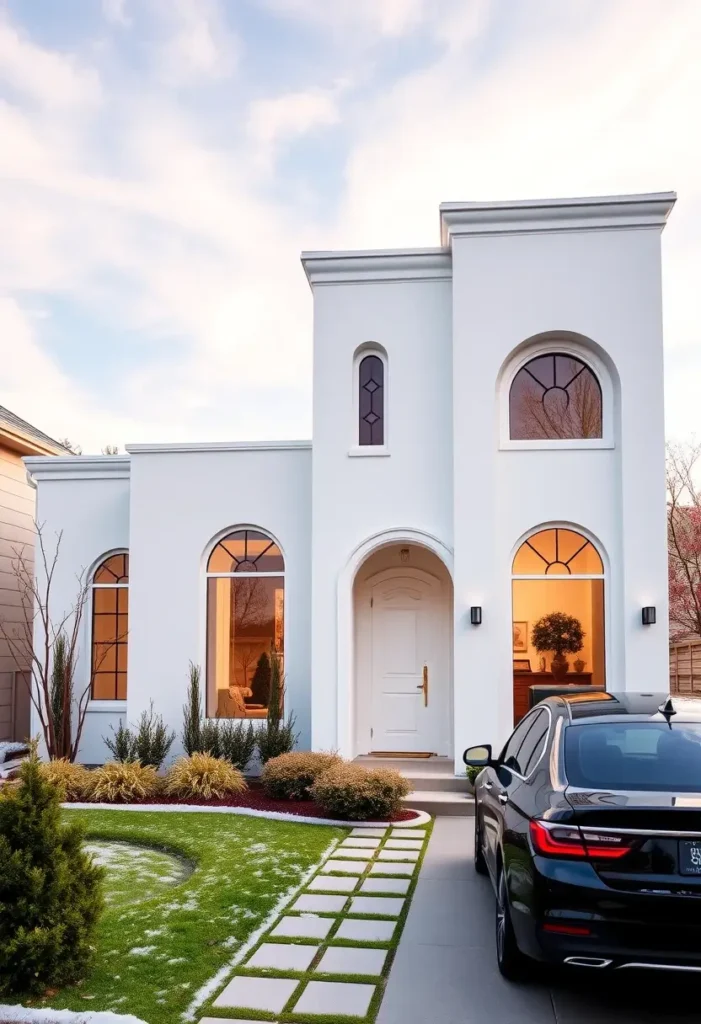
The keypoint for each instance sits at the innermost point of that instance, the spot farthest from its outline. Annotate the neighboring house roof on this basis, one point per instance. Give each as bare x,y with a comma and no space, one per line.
22,437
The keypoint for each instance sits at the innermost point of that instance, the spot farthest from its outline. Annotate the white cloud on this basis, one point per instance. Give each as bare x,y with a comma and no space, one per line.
115,11
199,43
272,122
51,78
386,17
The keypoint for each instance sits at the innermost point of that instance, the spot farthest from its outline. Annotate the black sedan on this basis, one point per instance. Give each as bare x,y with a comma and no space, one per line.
589,825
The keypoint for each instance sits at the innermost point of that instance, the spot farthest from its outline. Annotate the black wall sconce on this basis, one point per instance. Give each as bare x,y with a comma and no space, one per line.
649,615
476,615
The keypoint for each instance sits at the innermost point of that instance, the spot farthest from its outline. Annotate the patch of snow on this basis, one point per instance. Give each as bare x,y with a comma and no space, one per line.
141,950
23,1015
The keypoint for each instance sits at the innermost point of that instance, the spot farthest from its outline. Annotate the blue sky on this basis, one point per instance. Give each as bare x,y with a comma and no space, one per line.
163,162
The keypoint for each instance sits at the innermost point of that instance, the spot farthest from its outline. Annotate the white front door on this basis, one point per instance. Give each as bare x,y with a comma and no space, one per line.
409,664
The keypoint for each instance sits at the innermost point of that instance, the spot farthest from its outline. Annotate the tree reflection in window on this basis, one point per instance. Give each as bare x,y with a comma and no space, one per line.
555,397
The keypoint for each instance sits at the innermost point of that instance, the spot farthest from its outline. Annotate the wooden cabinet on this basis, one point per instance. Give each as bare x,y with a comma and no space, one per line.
524,680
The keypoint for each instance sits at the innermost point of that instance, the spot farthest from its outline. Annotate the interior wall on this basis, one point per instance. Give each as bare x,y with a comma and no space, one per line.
579,597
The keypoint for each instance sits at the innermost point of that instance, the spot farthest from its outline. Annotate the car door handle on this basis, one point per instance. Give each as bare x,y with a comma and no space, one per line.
503,798
489,785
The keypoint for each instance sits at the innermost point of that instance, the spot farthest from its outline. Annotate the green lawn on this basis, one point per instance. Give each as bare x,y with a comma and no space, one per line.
181,904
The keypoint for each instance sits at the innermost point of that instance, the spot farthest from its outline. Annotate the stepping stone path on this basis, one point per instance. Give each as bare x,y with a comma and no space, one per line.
342,925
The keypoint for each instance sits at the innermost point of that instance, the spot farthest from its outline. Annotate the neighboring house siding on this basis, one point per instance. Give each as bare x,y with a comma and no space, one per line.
16,532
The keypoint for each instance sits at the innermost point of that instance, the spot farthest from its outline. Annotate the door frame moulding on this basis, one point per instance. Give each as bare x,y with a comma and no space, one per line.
345,627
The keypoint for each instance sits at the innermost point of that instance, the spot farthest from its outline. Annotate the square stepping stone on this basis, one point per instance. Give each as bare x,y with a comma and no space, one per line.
350,960
352,854
404,844
377,905
396,855
369,833
269,994
393,885
329,883
408,833
358,841
320,904
335,999
343,867
223,1020
283,956
392,868
366,931
301,928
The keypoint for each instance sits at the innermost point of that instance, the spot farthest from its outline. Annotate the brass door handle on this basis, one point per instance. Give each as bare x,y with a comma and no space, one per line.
424,685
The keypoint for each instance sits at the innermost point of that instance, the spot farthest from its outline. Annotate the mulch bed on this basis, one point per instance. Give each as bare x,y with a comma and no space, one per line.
255,798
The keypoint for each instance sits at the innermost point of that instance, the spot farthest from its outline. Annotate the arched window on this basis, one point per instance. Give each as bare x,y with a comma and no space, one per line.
557,571
245,623
371,401
555,396
110,628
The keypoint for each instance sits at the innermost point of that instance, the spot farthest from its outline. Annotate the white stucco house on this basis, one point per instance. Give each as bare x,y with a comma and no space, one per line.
488,448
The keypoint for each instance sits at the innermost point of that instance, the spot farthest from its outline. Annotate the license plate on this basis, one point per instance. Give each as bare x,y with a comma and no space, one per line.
690,856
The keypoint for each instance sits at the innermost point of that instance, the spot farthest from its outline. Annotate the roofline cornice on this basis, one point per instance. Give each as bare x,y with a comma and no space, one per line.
78,467
24,444
217,446
361,266
529,216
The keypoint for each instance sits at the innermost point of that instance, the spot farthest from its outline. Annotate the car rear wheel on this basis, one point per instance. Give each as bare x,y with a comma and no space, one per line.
480,862
510,960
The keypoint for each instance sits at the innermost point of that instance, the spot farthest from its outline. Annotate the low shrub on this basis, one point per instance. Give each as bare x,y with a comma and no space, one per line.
203,776
291,776
149,743
74,781
353,792
123,782
50,890
237,742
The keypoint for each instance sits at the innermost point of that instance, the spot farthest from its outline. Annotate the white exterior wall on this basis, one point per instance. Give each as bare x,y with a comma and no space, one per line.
182,498
604,285
364,501
88,500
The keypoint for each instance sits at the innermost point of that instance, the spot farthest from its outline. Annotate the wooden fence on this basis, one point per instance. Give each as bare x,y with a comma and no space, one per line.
685,666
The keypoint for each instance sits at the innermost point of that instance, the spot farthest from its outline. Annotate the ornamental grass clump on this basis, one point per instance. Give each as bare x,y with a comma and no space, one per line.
291,776
124,782
50,890
352,792
73,781
201,776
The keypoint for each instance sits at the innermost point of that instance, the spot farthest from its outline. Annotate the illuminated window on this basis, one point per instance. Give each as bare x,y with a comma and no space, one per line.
555,397
110,627
245,623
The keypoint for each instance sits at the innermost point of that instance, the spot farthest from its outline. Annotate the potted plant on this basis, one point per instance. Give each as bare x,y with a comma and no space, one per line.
562,634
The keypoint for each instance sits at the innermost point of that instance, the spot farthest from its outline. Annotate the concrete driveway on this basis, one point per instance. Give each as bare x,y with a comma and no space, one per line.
445,970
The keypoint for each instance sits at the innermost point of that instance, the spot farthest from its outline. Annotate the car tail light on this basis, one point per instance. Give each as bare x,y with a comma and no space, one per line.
566,929
567,841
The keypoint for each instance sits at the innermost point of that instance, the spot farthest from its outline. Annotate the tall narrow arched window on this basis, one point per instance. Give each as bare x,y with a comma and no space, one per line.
555,396
245,623
558,613
371,401
110,628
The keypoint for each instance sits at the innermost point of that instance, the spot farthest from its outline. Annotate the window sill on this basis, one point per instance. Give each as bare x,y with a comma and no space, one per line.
580,444
107,707
369,451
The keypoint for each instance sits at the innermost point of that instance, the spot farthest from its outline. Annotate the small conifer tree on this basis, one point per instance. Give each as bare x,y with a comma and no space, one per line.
192,714
50,890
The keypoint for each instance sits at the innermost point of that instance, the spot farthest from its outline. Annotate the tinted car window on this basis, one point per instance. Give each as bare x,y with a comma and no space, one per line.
534,742
635,755
515,748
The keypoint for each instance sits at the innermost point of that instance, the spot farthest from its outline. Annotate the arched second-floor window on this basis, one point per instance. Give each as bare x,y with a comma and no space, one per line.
110,628
555,396
245,623
371,400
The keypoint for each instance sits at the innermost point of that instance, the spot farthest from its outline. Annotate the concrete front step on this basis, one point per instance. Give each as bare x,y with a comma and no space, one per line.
441,804
437,783
410,765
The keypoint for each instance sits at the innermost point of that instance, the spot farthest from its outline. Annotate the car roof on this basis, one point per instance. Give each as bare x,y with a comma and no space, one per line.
601,706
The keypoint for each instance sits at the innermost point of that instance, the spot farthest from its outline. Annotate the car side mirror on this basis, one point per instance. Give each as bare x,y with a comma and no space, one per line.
478,757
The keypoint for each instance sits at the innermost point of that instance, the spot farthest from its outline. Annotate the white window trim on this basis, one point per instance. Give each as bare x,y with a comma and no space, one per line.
238,575
119,704
578,351
355,449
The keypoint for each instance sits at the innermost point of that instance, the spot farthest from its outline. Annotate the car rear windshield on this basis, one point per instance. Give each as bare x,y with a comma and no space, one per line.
634,755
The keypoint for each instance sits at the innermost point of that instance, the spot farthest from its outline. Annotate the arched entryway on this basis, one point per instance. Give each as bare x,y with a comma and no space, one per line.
558,592
402,601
